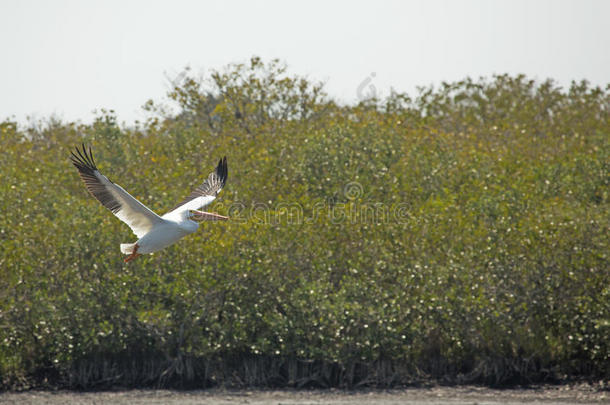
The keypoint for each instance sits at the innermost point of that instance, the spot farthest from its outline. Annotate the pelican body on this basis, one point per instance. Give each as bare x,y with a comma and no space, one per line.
153,232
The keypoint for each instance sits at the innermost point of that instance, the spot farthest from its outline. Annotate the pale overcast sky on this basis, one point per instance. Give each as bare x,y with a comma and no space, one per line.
70,57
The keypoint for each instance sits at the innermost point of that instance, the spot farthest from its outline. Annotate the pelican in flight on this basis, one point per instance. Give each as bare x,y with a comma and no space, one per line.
154,232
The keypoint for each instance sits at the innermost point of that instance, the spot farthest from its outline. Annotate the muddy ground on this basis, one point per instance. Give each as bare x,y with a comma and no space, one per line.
560,394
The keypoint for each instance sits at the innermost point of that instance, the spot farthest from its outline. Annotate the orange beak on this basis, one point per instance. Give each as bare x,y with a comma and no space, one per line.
207,216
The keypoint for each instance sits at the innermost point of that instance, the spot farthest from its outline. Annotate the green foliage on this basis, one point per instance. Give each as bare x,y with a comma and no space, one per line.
460,235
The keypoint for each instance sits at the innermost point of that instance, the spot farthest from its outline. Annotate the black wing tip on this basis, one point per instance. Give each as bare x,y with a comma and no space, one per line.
212,185
83,159
222,170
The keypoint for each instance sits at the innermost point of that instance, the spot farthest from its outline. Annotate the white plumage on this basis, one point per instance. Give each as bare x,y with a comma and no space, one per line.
154,232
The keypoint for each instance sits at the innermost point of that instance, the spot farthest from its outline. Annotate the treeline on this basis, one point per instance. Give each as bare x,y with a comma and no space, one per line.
460,235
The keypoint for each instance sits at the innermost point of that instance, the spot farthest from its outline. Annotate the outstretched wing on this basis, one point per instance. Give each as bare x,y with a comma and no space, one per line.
112,196
207,192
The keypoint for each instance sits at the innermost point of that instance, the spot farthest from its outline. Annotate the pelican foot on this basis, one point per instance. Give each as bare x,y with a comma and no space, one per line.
133,254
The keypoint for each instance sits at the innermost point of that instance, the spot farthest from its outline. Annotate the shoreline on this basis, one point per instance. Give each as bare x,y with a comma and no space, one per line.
457,395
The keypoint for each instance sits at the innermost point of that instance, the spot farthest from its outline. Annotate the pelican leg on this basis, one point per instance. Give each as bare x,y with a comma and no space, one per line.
208,216
133,254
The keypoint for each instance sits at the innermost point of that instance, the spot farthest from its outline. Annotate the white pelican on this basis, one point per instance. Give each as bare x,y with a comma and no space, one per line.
154,232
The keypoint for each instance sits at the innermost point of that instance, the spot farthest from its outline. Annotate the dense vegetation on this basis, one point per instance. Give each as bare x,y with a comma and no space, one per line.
460,235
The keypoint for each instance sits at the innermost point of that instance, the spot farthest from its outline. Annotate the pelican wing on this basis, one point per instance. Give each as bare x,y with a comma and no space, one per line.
112,196
207,192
